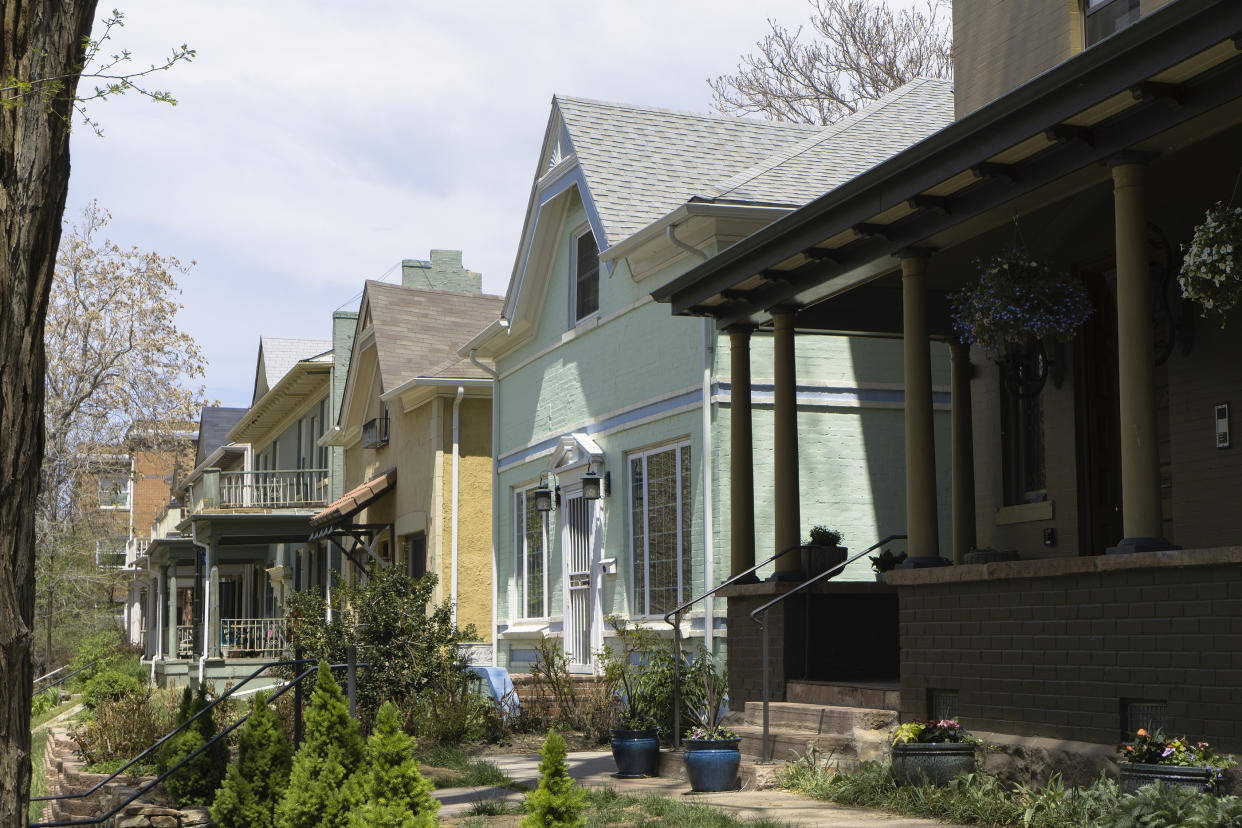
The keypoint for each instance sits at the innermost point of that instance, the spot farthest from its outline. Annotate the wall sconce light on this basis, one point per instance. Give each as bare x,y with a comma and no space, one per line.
593,486
542,495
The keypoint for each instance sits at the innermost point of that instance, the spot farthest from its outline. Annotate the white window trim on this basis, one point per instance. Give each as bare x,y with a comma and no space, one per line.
575,320
637,610
521,554
129,493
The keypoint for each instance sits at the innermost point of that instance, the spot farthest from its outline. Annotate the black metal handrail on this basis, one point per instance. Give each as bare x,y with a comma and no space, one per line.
763,610
295,682
63,679
673,617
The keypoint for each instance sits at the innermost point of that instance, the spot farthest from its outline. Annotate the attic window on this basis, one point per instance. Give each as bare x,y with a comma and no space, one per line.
584,292
1106,17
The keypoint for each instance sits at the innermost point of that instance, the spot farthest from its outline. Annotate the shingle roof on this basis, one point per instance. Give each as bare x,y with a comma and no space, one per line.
277,354
641,162
418,332
214,425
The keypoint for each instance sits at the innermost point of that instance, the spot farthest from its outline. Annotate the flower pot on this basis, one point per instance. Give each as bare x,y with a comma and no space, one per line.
879,577
636,752
711,764
1135,775
817,559
931,763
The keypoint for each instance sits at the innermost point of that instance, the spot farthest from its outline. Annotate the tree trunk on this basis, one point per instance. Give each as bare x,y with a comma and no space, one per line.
38,39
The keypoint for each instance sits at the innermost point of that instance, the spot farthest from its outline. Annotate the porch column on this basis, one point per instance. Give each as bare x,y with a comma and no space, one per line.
172,650
212,622
785,446
160,612
1140,458
921,520
963,454
741,455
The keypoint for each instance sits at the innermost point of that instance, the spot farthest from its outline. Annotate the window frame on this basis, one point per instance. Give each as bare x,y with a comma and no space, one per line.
1090,8
521,555
1016,450
126,488
575,277
642,608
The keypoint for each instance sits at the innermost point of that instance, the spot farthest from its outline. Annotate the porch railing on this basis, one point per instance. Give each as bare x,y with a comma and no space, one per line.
185,640
279,489
760,613
252,637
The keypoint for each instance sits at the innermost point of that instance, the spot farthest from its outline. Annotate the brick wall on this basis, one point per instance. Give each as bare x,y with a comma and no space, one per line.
1055,656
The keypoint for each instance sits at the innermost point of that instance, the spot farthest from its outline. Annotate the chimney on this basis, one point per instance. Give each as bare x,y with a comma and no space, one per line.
444,271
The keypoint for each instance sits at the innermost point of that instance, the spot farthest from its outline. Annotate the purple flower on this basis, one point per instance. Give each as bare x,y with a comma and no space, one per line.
1167,752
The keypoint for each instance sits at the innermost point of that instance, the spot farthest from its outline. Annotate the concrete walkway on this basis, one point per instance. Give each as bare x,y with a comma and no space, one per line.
595,769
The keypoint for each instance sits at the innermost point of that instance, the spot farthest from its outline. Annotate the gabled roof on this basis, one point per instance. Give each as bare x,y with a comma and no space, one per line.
214,425
418,332
278,354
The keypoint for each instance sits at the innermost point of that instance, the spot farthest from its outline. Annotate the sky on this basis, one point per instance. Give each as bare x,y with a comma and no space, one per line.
315,145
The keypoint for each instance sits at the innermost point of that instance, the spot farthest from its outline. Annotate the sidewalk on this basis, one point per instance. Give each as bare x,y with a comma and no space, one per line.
595,769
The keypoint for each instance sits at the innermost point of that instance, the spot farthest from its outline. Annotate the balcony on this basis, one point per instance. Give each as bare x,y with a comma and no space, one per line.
375,433
261,490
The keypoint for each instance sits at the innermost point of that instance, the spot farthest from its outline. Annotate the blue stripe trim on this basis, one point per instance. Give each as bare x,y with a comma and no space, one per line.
828,394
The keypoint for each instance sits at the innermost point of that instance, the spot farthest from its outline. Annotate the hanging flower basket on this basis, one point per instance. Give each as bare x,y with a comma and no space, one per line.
1211,273
1018,301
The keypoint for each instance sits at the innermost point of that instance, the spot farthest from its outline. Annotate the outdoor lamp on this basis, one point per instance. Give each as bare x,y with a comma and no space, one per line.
542,495
593,486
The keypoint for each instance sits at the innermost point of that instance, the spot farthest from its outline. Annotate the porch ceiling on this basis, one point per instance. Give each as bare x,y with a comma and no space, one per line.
290,394
1161,85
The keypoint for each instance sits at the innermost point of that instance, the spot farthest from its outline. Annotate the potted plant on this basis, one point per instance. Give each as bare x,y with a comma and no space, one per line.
712,755
1155,759
823,551
1211,273
885,561
932,752
636,737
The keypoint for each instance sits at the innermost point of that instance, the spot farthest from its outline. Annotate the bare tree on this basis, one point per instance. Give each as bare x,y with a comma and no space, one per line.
863,49
44,45
118,376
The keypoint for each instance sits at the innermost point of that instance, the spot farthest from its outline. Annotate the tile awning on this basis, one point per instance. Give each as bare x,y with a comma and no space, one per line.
355,500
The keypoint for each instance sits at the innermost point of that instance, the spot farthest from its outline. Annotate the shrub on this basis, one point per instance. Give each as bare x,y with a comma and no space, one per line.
107,650
558,802
121,728
44,701
109,685
257,781
389,792
333,751
195,783
591,708
452,710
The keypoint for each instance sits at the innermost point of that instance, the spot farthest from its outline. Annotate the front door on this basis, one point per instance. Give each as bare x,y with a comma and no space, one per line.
1099,445
581,602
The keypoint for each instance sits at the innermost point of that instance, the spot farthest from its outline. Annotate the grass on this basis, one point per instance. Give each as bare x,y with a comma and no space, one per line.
451,767
608,808
38,785
52,713
494,807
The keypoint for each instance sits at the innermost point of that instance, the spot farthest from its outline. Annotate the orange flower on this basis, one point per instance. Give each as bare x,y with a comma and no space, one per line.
1130,748
1141,732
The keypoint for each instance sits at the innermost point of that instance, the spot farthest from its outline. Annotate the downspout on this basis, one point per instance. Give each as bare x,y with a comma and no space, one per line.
709,556
495,495
461,391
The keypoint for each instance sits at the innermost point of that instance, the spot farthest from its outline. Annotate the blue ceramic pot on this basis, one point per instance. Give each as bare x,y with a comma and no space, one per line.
711,764
931,763
636,752
1135,775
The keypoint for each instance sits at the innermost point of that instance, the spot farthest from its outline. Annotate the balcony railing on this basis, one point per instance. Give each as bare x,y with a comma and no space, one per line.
281,489
135,547
252,637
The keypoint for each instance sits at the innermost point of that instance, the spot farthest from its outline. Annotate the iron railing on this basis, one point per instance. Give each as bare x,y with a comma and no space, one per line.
273,489
62,679
673,617
252,637
763,611
185,640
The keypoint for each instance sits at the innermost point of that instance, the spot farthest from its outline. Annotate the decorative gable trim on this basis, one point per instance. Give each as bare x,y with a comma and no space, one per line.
573,451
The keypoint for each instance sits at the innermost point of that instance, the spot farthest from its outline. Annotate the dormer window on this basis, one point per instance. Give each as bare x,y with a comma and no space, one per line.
1106,17
584,290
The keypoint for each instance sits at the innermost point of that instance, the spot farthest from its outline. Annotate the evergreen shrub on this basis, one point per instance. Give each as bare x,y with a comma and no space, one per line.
109,685
196,782
558,802
258,780
389,792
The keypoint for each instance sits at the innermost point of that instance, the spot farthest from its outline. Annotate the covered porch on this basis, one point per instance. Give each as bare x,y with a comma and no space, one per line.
1102,167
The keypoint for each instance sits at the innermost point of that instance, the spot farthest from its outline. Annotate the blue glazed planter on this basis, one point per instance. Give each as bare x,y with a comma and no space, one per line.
711,764
931,763
636,752
1135,775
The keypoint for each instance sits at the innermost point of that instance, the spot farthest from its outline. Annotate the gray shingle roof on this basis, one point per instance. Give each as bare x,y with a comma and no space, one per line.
215,423
641,162
418,332
278,354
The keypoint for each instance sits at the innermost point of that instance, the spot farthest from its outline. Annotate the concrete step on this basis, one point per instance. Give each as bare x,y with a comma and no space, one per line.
817,718
880,695
791,745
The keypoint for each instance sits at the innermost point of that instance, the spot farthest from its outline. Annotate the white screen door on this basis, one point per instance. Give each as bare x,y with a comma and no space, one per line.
579,574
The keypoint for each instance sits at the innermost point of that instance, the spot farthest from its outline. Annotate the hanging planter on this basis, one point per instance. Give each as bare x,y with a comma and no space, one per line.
1211,273
1016,305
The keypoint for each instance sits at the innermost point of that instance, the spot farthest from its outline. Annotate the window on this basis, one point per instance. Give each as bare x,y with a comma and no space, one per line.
1106,17
530,546
414,549
584,293
660,503
110,553
114,490
1022,446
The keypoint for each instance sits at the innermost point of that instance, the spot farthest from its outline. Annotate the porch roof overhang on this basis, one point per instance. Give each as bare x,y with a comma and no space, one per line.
249,528
304,379
1127,93
354,501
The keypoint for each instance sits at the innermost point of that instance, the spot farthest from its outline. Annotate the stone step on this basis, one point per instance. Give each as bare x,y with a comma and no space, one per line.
816,718
791,745
881,695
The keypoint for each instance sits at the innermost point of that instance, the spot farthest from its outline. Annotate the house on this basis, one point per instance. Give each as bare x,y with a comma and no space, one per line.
613,452
1104,140
415,431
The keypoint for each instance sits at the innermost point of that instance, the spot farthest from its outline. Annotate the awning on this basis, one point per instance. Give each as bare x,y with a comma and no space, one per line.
355,500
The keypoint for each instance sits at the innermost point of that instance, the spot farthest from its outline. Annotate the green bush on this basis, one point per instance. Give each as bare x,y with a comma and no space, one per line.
109,685
45,701
388,791
317,794
107,650
120,729
258,780
558,802
196,782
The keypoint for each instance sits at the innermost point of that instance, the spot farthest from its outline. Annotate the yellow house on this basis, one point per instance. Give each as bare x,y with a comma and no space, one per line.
416,428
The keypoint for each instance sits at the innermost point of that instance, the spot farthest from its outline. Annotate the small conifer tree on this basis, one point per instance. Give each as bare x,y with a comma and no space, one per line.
558,802
389,792
256,783
184,711
195,783
317,795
